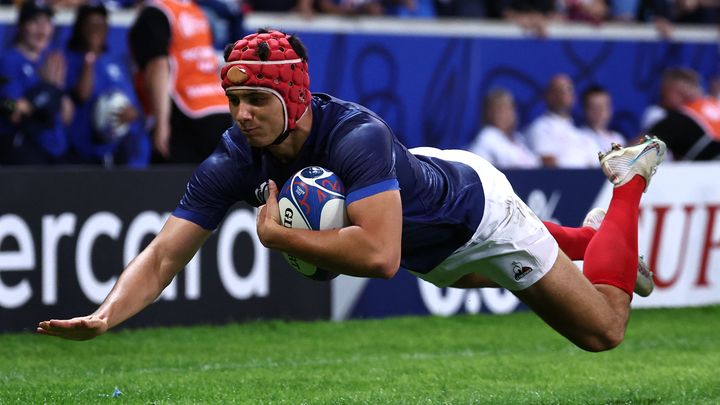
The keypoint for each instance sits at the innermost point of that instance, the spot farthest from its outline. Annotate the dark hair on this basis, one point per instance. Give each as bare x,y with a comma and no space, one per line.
30,9
28,12
77,41
681,74
593,90
263,51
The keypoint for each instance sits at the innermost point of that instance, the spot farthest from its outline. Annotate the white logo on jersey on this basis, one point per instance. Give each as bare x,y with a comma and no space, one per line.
190,25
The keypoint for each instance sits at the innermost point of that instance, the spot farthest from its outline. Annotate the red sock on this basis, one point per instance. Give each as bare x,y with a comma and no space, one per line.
612,255
572,241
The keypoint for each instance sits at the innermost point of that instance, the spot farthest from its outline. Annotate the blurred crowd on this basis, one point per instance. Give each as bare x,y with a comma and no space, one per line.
686,117
79,105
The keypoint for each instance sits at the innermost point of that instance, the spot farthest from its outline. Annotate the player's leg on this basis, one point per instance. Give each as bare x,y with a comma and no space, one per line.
572,241
593,317
631,170
592,311
475,280
644,283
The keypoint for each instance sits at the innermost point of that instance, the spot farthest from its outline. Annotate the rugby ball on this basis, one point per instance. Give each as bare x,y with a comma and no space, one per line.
314,198
105,116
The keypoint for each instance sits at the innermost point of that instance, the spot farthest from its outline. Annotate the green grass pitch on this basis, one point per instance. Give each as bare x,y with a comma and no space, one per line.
670,356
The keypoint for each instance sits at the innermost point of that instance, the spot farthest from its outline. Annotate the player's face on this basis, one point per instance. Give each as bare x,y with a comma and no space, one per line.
258,114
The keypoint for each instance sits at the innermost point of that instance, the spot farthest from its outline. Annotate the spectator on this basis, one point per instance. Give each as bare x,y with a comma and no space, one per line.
301,6
664,13
171,43
410,8
659,13
598,110
532,15
351,7
691,126
554,135
468,8
498,141
594,11
696,11
32,129
226,20
624,10
676,87
115,137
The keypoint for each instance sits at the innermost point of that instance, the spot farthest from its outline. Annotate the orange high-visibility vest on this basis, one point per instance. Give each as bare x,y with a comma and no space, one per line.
194,71
706,112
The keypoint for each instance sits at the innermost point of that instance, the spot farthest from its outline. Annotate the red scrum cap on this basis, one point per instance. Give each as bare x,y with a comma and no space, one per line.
267,61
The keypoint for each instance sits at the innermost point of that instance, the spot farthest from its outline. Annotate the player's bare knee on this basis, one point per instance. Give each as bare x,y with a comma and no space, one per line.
603,340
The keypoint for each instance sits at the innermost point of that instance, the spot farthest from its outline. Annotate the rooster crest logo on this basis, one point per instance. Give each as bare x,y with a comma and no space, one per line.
519,270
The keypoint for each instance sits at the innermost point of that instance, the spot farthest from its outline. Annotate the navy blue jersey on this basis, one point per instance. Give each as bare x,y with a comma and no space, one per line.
442,201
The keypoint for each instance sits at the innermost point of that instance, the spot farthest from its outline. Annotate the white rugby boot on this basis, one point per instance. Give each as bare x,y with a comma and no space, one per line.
644,283
620,164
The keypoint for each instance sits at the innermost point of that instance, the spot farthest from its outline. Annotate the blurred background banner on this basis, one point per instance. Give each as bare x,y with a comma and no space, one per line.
65,236
679,237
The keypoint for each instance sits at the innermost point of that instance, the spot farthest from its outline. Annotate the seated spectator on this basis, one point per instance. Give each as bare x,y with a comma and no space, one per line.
554,135
594,11
274,6
532,15
675,86
696,11
624,11
410,8
32,130
468,8
100,135
498,141
691,128
665,13
598,110
351,7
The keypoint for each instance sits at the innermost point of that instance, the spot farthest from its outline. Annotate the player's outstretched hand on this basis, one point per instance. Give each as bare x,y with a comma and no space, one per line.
268,219
80,328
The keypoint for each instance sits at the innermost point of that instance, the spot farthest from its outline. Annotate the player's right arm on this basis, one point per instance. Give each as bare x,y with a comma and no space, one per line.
139,285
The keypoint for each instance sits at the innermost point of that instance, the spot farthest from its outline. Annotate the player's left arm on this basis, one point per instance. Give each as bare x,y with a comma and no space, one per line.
370,247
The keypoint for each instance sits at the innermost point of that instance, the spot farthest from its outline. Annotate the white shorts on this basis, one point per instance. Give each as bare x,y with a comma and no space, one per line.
511,246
